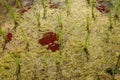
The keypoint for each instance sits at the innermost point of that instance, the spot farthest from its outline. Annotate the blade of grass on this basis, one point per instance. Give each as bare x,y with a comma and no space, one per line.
18,66
59,32
87,37
18,3
92,8
5,40
116,9
37,15
67,3
25,38
1,32
110,21
10,10
44,9
13,15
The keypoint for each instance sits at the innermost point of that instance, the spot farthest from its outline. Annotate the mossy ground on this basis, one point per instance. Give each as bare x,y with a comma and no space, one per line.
38,63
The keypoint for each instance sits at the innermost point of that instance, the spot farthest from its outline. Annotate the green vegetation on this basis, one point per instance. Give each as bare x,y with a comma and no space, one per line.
18,3
116,9
44,8
37,15
92,8
87,38
2,33
67,3
59,32
11,11
18,66
86,47
25,38
110,21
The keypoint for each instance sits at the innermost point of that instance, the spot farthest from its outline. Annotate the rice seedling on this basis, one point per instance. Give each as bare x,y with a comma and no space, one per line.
59,32
24,36
116,11
86,40
37,15
110,21
116,8
13,15
67,3
19,5
92,8
2,33
115,70
7,38
16,59
87,24
44,8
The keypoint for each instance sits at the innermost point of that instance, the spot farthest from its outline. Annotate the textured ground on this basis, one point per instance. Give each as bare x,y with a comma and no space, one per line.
38,63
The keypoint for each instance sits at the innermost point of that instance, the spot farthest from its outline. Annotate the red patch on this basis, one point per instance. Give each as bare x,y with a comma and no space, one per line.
53,6
49,39
9,36
53,47
23,11
29,8
101,6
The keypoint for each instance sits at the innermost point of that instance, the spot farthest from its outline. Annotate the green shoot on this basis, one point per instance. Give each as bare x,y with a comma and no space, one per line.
25,38
10,10
11,13
87,26
18,66
37,15
116,8
18,3
67,3
44,8
110,21
117,63
59,31
116,68
86,47
92,8
87,37
2,33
